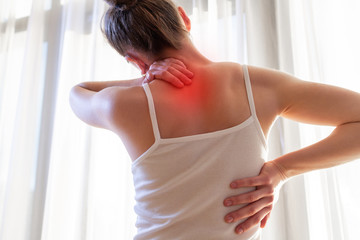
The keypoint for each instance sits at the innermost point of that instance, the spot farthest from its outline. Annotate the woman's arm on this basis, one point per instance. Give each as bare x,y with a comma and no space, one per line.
94,102
310,103
98,86
324,105
343,145
169,70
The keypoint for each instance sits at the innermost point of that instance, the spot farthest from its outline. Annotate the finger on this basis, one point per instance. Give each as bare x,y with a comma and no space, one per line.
264,221
164,63
252,221
162,73
180,75
175,61
251,182
168,77
149,76
168,61
248,210
167,67
176,80
185,71
172,62
249,197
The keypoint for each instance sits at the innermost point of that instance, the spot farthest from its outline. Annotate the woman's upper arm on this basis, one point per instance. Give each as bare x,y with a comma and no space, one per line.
98,109
315,103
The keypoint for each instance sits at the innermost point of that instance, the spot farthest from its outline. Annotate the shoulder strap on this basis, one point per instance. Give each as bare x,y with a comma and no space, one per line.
249,91
252,104
152,111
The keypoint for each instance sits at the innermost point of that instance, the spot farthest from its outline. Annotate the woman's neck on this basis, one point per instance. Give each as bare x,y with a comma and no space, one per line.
188,54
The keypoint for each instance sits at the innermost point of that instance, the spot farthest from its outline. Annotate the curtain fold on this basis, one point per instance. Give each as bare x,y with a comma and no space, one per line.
60,179
324,36
22,127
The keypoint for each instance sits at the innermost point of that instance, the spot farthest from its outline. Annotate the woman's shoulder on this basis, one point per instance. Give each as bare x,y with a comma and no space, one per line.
227,71
260,75
124,104
228,66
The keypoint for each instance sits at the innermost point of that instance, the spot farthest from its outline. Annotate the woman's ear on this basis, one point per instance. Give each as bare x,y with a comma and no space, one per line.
185,18
137,63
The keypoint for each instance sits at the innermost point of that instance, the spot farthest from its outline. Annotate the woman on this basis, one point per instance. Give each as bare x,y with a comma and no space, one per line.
188,143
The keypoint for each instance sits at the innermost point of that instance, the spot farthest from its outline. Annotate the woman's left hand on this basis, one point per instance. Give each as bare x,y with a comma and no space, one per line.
259,202
170,70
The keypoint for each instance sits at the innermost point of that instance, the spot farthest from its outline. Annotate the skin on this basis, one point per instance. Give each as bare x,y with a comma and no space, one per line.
193,108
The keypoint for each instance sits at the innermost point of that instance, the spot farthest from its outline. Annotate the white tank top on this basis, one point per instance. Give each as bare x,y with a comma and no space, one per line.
181,183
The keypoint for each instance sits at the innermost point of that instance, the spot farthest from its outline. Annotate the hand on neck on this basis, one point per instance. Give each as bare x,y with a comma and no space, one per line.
188,54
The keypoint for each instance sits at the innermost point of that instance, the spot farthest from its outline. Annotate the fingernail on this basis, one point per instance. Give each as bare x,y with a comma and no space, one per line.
229,219
239,230
180,85
228,203
233,185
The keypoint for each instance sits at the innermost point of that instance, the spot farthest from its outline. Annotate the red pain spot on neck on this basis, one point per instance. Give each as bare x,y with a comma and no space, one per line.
192,98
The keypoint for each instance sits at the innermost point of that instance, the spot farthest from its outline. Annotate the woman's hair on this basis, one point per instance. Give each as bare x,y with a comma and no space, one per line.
148,26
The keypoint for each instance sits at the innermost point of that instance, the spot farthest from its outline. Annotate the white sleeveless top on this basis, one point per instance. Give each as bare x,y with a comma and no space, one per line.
181,183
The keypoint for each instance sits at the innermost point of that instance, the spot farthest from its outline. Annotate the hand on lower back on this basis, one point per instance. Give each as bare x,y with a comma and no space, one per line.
259,202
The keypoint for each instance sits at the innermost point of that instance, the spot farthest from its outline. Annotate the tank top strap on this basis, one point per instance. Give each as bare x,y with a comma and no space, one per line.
249,91
252,104
152,111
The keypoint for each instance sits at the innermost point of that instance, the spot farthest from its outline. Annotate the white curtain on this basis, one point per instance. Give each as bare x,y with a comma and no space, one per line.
60,179
324,38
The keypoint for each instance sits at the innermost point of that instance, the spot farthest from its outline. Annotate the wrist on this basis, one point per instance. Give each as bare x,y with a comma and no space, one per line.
281,169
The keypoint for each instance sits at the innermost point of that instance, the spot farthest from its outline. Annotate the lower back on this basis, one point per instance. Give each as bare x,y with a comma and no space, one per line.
180,184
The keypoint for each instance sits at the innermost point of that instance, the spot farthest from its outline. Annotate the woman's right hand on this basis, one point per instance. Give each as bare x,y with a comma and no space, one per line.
170,70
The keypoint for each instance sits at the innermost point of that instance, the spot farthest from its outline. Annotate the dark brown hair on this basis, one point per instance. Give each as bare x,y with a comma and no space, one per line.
148,26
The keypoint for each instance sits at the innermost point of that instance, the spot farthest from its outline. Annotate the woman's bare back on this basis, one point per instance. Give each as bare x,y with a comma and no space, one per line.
215,100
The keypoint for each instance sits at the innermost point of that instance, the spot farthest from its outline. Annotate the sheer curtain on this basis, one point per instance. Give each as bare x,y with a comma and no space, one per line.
60,179
324,38
315,41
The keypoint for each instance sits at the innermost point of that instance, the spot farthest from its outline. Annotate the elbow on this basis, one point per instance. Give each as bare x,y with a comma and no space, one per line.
72,97
87,105
78,101
357,122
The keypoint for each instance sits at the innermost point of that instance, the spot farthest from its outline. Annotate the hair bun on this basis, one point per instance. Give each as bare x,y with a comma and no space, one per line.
123,5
